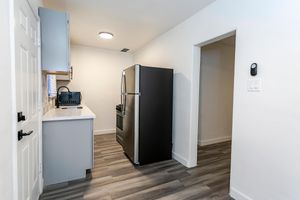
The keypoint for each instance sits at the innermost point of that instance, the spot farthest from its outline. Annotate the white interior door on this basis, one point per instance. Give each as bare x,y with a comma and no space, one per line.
27,93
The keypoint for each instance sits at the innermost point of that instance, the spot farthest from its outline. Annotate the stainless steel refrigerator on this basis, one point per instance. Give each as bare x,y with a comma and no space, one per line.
144,117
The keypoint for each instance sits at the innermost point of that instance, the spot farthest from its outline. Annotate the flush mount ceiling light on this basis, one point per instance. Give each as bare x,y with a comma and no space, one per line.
106,35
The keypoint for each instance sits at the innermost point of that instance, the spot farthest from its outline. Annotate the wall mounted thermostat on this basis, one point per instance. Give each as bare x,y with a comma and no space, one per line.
253,69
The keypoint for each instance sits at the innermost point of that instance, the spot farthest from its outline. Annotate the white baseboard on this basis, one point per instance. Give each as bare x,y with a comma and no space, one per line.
237,195
214,140
104,131
180,159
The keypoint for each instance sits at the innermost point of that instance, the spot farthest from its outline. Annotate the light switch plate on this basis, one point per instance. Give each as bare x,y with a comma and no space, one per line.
254,85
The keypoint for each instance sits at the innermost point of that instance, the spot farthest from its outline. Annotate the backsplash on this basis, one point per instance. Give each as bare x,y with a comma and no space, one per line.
48,103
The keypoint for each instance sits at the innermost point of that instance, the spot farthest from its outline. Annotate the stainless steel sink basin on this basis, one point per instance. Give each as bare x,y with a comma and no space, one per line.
71,107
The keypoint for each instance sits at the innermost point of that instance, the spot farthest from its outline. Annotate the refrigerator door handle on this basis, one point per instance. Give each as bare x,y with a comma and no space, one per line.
124,107
124,93
132,93
122,88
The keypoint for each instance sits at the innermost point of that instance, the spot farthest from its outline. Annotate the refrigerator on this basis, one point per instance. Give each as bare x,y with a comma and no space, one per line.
144,117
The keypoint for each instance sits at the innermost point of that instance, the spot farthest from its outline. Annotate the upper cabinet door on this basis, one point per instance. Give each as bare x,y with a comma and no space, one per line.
55,45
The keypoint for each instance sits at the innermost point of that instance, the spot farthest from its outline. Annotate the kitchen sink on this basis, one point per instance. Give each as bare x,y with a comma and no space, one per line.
71,107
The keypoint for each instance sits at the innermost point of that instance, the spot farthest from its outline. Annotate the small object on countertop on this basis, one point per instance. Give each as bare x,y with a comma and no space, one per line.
57,101
51,85
69,98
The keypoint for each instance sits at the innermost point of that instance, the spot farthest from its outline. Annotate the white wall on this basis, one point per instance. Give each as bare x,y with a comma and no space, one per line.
216,93
97,74
266,128
6,124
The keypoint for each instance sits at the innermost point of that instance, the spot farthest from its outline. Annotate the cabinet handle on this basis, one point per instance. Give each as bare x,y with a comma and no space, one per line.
71,73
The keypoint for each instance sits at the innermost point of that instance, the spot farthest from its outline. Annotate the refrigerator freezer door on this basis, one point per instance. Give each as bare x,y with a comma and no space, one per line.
130,79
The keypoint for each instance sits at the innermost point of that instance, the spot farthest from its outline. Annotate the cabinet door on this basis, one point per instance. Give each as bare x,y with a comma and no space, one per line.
55,40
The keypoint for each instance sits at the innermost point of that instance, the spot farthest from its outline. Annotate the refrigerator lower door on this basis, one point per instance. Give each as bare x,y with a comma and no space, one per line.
130,128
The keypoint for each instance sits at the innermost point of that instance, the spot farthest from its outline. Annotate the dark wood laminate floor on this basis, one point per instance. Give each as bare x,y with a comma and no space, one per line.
114,177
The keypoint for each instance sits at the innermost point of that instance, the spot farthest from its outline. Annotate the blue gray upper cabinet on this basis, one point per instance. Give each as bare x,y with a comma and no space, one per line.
55,37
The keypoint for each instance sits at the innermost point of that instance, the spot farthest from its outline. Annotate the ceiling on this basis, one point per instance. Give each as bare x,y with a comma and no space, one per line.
133,22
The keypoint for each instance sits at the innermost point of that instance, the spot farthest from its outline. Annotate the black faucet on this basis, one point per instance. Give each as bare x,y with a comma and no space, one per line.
57,94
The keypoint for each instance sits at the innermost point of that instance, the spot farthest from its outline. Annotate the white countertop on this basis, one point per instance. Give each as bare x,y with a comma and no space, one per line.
71,113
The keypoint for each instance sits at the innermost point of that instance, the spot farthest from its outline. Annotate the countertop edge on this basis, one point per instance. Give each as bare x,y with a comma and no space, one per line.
66,118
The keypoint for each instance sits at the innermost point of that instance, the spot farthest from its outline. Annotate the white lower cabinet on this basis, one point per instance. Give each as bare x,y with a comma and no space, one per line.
67,150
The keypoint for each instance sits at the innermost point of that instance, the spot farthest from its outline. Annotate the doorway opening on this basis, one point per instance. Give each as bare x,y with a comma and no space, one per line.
215,112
